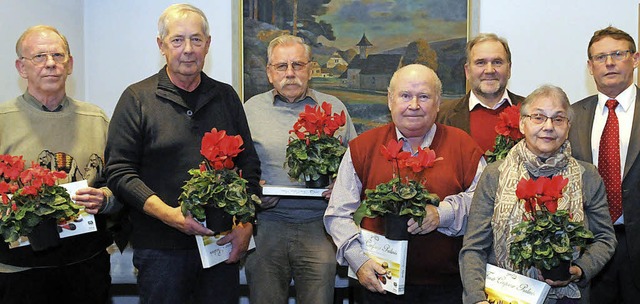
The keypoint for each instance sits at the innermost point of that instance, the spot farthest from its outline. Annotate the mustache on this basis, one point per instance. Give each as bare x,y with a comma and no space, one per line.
290,81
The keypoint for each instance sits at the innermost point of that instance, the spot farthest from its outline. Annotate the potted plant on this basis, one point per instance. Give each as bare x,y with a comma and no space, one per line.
314,154
508,129
215,188
400,198
32,203
546,237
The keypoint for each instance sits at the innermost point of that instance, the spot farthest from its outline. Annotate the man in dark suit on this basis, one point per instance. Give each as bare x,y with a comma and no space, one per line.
488,69
606,131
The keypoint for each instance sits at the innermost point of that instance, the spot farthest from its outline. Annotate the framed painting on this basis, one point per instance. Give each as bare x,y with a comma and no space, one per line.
357,46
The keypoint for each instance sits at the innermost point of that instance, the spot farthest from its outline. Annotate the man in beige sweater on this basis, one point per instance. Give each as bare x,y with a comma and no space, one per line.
44,125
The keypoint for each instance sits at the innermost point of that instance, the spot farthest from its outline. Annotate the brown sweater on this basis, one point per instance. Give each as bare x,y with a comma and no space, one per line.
452,175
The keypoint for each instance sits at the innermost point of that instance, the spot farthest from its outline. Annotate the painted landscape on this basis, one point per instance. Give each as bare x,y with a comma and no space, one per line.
358,45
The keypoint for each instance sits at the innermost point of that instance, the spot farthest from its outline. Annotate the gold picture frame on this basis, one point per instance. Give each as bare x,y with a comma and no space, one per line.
445,25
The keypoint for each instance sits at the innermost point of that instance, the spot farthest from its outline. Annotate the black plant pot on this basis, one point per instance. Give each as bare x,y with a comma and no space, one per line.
395,227
44,235
217,219
321,182
558,273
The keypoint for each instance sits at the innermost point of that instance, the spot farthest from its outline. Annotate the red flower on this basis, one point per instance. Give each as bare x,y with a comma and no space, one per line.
220,149
391,150
59,174
11,166
30,190
553,186
509,123
425,159
318,121
542,193
528,188
552,192
4,187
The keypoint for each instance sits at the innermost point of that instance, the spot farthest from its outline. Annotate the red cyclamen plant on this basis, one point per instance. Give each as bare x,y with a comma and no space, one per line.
400,196
30,195
546,236
219,149
508,130
216,182
314,151
318,121
541,194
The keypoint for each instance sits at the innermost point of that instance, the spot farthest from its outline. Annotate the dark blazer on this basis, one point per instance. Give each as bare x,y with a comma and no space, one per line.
456,113
580,138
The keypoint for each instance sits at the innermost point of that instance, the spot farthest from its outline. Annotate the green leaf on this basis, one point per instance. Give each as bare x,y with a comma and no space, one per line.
547,240
223,189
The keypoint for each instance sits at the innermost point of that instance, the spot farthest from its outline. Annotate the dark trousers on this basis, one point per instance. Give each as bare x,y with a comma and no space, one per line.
85,282
614,283
432,294
177,276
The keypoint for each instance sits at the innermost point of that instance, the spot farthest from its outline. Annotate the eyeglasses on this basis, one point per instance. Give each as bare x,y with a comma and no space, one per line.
296,66
615,56
539,119
41,59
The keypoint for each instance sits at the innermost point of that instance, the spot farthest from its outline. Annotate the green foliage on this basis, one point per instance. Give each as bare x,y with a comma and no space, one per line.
223,189
502,147
321,156
50,202
397,198
545,242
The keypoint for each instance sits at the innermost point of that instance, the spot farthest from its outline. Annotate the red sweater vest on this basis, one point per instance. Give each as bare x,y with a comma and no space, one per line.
482,125
432,258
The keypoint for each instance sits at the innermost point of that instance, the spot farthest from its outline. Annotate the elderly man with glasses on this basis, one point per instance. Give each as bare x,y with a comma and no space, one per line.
45,119
291,240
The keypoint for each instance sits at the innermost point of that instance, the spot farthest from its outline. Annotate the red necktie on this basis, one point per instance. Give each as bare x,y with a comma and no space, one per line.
609,161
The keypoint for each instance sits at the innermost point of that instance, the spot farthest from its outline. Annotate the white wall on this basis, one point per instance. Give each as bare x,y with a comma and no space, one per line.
122,49
18,15
548,39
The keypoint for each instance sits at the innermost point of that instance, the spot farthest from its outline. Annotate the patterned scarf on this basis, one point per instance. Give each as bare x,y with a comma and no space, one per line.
522,163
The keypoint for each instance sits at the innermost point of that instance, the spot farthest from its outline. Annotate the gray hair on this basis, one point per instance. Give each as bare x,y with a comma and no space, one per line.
180,10
549,91
287,39
483,37
38,29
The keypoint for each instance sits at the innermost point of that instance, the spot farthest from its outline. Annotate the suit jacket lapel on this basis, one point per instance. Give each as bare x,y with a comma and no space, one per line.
634,144
460,116
584,123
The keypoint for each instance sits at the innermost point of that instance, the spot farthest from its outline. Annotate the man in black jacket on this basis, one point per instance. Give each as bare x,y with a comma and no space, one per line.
157,127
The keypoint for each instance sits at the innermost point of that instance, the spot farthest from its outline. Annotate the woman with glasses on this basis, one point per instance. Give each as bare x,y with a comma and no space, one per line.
545,119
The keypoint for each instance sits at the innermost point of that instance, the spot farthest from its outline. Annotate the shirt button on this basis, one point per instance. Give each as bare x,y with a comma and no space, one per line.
189,113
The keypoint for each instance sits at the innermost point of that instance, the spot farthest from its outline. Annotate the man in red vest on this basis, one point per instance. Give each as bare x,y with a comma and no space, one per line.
488,69
414,96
